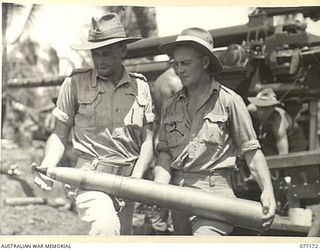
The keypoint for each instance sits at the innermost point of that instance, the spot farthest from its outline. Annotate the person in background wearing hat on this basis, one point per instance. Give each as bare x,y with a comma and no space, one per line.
164,86
204,127
277,131
108,111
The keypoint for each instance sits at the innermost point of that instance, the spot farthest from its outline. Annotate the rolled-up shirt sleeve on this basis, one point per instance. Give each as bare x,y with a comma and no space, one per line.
242,128
148,113
65,109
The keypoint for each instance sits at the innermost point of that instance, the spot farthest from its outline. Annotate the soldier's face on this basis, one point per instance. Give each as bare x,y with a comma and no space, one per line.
188,65
264,112
107,59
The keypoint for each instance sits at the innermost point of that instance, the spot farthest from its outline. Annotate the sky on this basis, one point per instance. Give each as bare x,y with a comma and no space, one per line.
61,25
172,20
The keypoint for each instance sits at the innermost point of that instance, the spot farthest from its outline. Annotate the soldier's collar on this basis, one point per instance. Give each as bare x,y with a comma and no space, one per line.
182,93
124,79
214,88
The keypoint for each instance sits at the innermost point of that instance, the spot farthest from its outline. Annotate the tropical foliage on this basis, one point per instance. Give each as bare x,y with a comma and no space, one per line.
24,57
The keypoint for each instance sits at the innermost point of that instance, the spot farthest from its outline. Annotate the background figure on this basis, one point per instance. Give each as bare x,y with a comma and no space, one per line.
234,55
167,84
277,131
108,112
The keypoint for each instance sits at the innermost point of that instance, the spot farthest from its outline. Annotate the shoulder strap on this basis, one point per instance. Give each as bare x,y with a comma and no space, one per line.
80,70
138,75
142,84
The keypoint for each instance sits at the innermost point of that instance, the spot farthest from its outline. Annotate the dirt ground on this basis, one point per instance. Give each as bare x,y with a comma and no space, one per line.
50,218
56,216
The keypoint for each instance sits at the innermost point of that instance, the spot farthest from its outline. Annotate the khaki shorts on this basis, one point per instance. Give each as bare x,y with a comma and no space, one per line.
218,183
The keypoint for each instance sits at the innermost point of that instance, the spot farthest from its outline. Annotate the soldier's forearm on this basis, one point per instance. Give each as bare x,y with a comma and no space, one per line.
146,153
53,152
162,175
259,169
162,171
144,160
282,145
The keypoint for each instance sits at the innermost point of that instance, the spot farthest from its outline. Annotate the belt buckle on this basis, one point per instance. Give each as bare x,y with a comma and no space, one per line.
116,170
212,181
94,164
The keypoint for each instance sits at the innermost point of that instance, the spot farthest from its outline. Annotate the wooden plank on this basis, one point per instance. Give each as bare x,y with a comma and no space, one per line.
313,125
299,159
285,224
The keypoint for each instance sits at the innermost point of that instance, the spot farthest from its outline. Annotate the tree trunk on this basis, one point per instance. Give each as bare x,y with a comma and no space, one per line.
5,8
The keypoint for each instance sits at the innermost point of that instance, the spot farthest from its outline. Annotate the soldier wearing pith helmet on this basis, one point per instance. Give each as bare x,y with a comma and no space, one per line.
108,112
204,127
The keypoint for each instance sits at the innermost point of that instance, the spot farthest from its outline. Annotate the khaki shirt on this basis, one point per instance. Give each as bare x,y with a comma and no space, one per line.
220,131
106,120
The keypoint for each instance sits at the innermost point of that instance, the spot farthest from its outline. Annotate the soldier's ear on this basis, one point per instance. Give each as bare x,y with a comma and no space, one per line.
205,62
123,51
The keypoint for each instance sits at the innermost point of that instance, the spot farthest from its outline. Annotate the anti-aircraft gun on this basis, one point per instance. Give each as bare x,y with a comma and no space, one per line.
272,50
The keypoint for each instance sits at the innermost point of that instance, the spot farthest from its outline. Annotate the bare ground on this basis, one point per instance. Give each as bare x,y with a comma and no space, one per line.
48,218
33,219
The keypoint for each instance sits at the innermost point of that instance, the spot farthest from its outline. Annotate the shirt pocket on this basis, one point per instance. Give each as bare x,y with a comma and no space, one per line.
86,111
214,127
173,126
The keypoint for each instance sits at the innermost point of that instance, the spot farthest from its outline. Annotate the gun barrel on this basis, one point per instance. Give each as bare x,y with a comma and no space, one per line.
239,212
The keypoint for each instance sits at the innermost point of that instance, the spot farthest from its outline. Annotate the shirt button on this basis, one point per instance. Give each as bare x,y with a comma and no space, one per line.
116,109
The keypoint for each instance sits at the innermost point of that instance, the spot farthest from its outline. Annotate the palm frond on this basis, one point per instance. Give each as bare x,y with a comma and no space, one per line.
28,21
